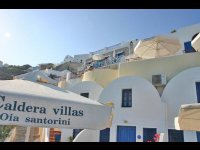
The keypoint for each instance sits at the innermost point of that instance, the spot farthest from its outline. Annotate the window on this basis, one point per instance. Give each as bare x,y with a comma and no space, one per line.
127,98
175,135
85,95
76,132
188,47
120,54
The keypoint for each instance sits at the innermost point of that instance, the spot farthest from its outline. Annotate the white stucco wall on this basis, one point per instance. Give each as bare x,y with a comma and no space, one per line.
147,110
181,90
90,87
67,84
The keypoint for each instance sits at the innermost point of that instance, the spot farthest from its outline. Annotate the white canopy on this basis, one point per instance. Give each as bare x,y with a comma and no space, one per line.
157,46
188,118
30,104
196,43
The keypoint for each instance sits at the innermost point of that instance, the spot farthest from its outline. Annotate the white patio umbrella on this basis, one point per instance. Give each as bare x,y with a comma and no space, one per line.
26,103
157,46
188,118
196,43
98,57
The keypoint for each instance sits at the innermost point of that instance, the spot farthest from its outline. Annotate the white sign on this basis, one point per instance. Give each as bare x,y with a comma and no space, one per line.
30,110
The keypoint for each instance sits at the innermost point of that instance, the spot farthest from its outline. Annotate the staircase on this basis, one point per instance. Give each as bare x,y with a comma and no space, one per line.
20,134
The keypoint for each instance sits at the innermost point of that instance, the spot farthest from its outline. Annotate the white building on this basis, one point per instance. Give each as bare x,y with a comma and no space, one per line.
1,63
59,74
5,65
68,58
81,57
112,55
37,76
87,89
142,107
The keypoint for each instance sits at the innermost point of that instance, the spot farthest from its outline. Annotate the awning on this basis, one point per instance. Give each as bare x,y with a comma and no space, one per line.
30,104
188,118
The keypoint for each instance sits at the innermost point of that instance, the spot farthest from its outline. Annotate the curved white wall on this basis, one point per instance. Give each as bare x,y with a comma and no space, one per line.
147,110
93,88
181,90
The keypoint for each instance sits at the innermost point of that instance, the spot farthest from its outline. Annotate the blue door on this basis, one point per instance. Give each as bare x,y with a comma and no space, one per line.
105,135
148,134
126,134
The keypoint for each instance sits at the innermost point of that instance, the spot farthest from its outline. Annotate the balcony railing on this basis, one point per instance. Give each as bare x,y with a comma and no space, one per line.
107,62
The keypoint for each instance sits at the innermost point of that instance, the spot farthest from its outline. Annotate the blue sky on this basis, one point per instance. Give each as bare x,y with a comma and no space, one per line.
42,36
